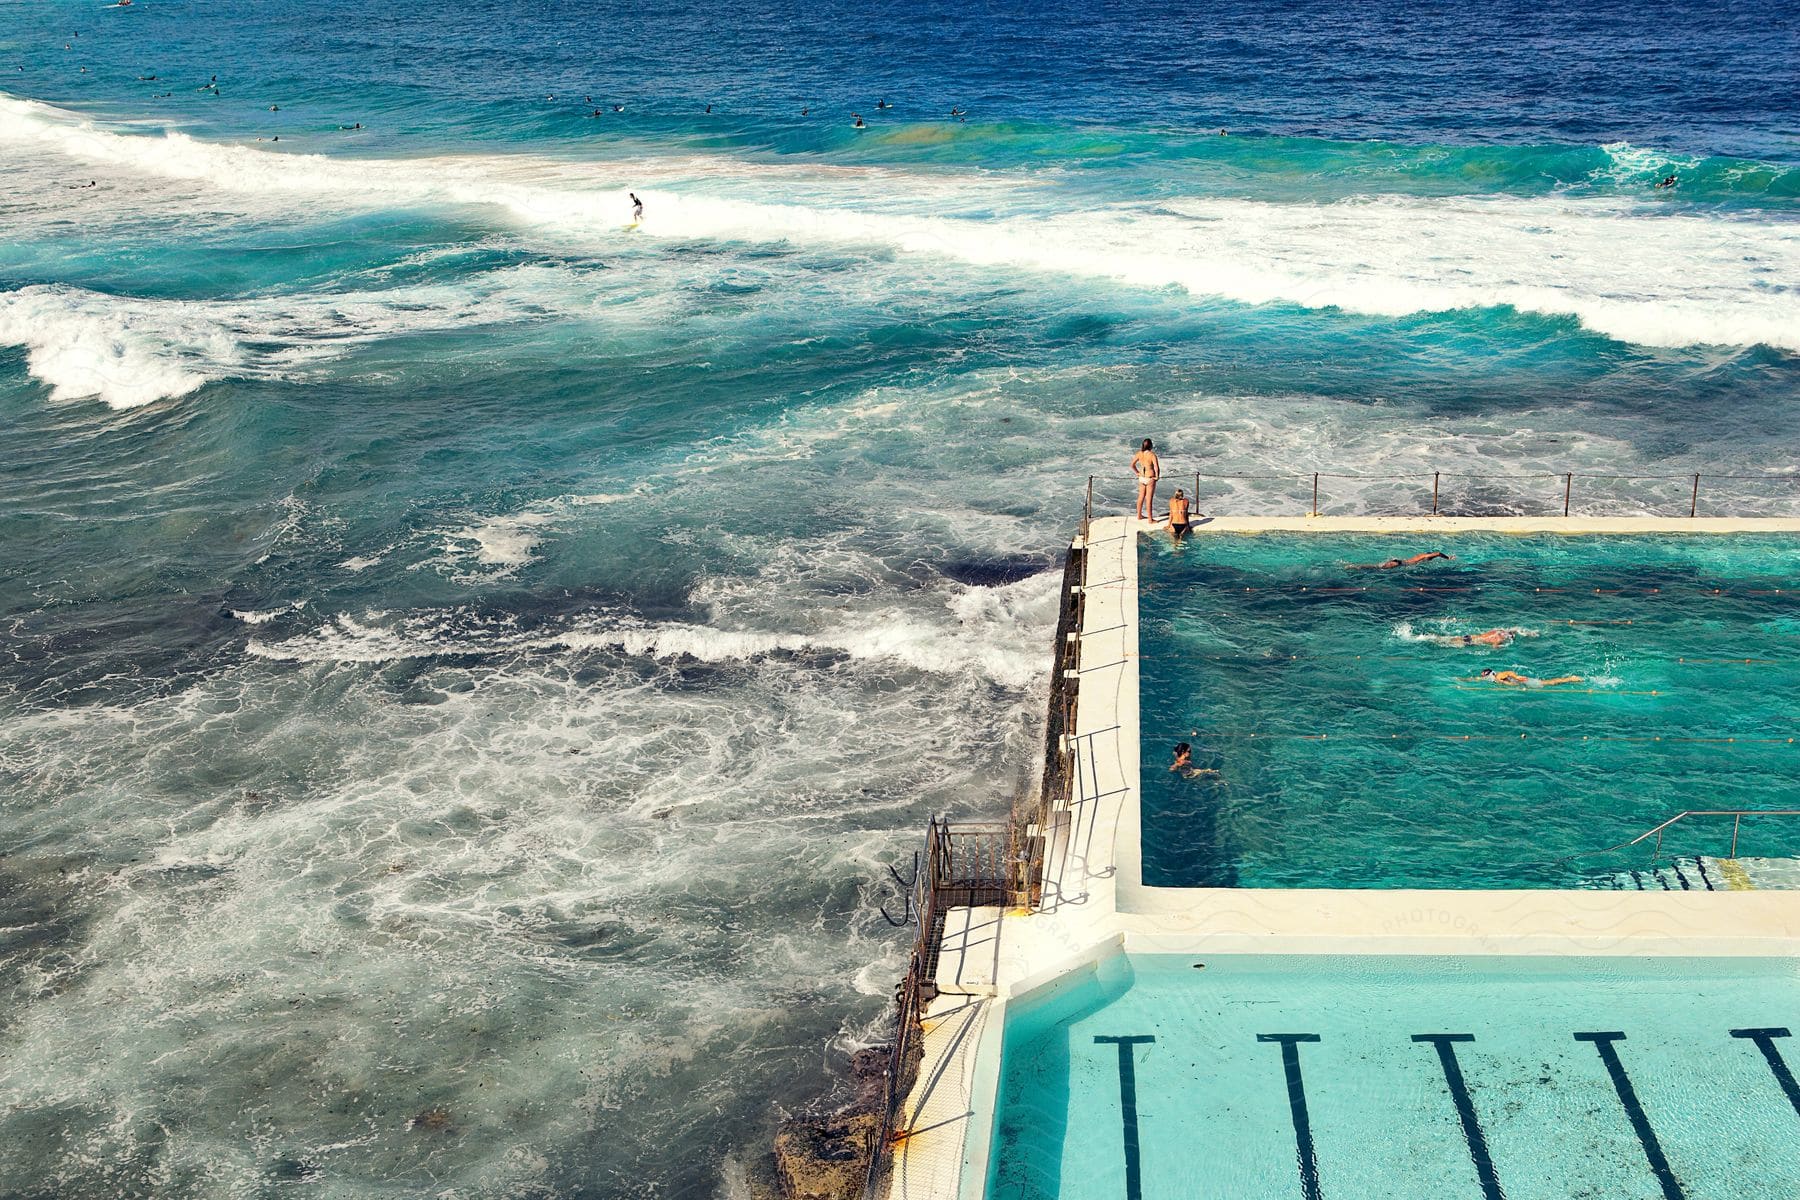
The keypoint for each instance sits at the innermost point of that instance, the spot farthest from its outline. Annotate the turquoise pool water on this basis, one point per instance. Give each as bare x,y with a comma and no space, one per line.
1267,1077
1342,744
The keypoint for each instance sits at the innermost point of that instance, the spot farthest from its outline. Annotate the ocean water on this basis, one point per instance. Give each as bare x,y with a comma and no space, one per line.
1349,741
466,663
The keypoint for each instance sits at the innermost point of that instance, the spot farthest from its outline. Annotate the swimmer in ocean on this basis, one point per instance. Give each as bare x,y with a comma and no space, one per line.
1391,563
1514,679
637,207
859,121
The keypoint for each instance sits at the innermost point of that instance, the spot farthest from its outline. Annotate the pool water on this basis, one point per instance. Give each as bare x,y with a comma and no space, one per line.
1341,744
1263,1077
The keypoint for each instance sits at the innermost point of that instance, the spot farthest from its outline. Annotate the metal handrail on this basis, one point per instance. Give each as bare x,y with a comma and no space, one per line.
1436,478
1007,864
1737,815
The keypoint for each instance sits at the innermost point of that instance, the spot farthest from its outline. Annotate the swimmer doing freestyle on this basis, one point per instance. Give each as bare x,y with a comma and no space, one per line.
1391,563
1488,637
1514,679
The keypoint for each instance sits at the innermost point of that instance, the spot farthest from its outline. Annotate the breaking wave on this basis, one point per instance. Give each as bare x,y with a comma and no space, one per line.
1628,267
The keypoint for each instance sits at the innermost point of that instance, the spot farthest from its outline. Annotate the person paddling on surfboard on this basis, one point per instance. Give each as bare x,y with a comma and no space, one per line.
637,207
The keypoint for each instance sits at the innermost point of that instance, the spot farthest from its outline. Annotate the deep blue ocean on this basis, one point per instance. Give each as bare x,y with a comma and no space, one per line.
465,661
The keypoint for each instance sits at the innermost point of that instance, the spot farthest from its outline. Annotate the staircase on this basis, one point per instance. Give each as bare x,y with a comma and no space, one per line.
1686,873
1674,875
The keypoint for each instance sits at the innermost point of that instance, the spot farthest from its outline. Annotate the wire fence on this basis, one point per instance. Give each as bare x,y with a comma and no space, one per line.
1469,494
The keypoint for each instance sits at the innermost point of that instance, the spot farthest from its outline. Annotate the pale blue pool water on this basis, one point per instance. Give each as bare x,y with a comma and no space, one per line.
1216,1118
1352,750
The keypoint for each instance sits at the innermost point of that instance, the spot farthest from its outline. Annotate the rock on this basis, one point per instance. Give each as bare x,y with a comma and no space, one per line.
435,1119
825,1158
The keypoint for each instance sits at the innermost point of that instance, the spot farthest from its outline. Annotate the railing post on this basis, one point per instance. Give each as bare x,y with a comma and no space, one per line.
1194,500
1694,504
1087,511
1736,821
1568,486
1315,507
1434,490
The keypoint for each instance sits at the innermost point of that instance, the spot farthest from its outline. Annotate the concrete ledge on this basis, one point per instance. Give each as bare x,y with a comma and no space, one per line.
1425,523
1321,921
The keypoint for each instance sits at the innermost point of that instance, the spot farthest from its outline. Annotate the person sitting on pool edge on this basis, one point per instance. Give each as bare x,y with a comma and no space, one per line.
1514,679
1178,515
1391,563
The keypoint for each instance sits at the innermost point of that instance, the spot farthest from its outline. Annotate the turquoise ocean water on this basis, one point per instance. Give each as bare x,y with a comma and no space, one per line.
465,663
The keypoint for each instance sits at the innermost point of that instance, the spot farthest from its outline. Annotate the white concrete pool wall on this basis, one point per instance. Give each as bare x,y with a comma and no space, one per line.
1095,903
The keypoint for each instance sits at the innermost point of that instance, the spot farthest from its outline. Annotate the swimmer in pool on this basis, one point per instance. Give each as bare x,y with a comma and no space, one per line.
1178,515
1488,637
1391,563
1184,763
1514,679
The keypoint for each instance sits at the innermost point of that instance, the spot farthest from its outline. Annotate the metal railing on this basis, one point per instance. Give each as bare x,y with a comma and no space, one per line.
1032,824
964,865
980,864
1488,494
1737,816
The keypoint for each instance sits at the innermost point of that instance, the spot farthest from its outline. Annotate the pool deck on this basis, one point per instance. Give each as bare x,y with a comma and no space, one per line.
1431,524
1095,902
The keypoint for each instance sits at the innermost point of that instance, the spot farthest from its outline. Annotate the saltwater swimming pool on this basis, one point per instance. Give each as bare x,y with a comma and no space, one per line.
1260,1077
1341,739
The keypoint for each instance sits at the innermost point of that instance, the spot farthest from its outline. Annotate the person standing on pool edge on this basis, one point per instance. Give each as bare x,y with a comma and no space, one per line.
1148,469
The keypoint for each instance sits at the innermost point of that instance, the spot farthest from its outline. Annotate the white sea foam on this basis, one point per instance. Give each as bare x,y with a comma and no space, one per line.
1635,271
507,542
130,351
127,353
250,616
991,633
